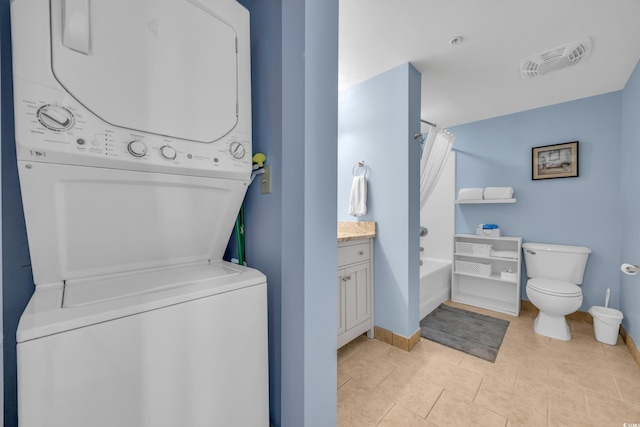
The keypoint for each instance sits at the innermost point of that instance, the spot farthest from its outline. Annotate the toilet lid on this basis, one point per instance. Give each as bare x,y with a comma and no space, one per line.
555,287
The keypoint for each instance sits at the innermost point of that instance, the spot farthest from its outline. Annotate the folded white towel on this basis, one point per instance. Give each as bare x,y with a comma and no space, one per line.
498,192
470,193
504,254
358,199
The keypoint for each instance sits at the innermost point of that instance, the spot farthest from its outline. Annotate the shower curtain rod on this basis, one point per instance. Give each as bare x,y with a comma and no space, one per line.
419,135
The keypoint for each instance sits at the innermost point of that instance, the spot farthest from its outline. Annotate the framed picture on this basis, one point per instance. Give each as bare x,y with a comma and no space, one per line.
554,161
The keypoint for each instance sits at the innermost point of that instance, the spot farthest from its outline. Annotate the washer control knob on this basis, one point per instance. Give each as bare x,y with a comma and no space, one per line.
168,152
137,148
237,150
55,117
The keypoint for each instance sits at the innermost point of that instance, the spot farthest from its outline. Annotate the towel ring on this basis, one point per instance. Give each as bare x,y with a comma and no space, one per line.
360,164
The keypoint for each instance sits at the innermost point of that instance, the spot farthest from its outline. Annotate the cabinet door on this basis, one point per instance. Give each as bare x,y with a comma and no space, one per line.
341,302
357,295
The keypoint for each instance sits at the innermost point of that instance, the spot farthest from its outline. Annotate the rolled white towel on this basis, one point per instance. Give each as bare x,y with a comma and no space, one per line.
470,193
498,192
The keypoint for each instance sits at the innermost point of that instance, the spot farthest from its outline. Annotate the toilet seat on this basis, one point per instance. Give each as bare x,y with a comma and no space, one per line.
554,287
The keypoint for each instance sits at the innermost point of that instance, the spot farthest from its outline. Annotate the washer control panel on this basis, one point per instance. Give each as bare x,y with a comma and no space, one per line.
53,127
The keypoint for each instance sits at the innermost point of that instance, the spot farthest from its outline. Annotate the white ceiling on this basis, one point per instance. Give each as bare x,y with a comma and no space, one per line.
480,78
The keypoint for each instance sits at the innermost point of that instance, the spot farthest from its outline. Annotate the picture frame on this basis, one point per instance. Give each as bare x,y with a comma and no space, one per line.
554,161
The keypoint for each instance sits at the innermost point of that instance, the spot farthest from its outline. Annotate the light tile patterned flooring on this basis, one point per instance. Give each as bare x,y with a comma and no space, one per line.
535,381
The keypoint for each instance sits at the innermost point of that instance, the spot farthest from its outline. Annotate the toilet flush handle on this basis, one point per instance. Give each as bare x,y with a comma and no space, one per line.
531,252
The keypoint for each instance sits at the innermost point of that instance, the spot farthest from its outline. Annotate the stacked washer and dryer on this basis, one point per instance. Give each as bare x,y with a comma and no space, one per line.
133,134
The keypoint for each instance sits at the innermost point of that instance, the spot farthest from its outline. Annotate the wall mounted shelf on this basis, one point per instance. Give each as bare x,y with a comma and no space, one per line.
483,201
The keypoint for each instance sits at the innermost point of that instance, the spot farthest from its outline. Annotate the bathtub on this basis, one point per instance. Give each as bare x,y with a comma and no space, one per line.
435,284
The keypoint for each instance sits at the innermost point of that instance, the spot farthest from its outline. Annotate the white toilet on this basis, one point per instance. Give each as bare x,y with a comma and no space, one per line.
554,272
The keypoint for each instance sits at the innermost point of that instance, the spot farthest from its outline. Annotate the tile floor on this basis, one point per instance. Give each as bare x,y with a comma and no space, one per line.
535,381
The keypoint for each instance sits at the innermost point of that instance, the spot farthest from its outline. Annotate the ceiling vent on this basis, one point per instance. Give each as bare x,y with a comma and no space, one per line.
555,59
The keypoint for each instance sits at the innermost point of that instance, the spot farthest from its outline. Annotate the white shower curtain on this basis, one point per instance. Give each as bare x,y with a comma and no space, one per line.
434,157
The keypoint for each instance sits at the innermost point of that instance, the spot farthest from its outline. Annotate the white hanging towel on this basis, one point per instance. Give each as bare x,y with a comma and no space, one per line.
358,199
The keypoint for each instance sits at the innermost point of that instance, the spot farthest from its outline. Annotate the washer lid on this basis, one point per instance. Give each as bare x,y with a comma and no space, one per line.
164,67
52,311
124,285
555,287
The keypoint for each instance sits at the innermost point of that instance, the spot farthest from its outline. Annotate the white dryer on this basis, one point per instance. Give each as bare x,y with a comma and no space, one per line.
133,136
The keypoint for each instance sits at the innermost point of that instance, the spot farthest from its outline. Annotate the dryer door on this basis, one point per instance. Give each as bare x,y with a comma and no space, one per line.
165,67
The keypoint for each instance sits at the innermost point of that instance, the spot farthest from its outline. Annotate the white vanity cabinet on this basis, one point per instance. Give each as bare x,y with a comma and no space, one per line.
355,289
477,274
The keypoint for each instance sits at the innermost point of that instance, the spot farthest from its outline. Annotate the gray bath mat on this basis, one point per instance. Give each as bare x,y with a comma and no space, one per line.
473,333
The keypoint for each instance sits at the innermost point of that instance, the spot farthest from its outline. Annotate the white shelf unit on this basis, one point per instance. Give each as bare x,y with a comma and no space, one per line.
482,201
490,292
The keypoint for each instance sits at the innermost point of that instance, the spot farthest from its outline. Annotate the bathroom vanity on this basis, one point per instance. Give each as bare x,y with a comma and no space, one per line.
486,272
355,280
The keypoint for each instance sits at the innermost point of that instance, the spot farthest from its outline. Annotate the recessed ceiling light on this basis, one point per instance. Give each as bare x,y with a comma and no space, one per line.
456,41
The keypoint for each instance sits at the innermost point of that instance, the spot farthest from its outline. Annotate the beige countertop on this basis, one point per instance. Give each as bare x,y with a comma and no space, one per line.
356,230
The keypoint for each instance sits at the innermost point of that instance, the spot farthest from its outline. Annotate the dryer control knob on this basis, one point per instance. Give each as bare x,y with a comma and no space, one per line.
168,152
55,117
237,150
137,148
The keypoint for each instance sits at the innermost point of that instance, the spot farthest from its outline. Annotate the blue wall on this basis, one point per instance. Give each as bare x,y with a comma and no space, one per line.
266,99
308,241
574,211
17,280
630,285
376,123
1,309
291,233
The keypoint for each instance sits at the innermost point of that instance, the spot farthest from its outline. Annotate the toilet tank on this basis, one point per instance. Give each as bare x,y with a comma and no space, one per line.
557,262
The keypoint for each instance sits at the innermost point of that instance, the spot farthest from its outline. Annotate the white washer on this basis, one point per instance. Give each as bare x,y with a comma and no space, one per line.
133,133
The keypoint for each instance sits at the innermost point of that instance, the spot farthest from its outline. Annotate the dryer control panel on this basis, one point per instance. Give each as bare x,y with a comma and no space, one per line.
53,127
168,92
